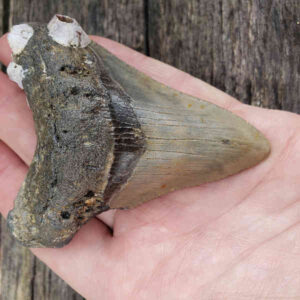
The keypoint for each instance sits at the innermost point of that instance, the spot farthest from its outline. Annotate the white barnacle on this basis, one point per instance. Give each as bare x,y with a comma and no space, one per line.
19,36
88,62
16,73
67,32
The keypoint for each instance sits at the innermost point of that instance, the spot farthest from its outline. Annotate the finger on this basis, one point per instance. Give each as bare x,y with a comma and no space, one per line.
159,71
5,53
16,123
88,250
154,68
186,83
108,217
12,173
183,82
89,254
167,74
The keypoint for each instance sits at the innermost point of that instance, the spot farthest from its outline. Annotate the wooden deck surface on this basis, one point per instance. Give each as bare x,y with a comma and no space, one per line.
249,49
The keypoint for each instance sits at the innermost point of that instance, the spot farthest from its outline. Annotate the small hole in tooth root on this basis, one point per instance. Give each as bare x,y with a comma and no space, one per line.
88,95
74,70
64,19
65,215
226,142
75,90
89,194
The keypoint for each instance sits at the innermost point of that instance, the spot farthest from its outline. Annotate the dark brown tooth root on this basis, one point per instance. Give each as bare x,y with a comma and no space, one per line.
109,136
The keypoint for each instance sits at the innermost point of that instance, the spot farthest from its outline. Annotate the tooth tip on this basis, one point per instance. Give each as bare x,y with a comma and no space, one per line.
264,146
259,150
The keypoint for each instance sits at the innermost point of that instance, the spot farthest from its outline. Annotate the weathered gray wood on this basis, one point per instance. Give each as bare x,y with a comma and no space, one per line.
1,21
121,20
23,276
1,17
250,49
17,268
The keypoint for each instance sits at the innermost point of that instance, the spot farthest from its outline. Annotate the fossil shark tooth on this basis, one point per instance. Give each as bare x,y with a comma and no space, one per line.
109,136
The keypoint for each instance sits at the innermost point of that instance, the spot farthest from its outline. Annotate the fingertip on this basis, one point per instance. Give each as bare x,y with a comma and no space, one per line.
5,51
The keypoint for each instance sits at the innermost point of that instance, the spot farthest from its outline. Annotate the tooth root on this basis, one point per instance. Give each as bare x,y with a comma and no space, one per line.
189,141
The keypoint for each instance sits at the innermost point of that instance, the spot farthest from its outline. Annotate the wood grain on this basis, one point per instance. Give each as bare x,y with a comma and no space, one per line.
1,22
121,20
1,17
250,49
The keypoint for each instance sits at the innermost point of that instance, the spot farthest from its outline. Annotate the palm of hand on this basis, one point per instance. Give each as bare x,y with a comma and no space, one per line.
238,237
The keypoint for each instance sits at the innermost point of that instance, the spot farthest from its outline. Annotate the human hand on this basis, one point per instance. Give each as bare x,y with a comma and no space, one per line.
238,237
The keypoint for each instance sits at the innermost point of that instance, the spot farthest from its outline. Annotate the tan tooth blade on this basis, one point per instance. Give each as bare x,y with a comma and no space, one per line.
189,141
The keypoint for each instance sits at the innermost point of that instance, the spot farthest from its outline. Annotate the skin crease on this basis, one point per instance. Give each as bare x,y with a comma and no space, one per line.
232,239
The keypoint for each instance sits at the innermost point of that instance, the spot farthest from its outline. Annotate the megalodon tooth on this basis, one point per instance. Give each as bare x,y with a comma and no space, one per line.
108,135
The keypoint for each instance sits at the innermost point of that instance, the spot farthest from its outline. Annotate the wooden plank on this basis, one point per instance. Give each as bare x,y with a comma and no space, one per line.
17,268
249,49
122,20
1,17
23,276
1,22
